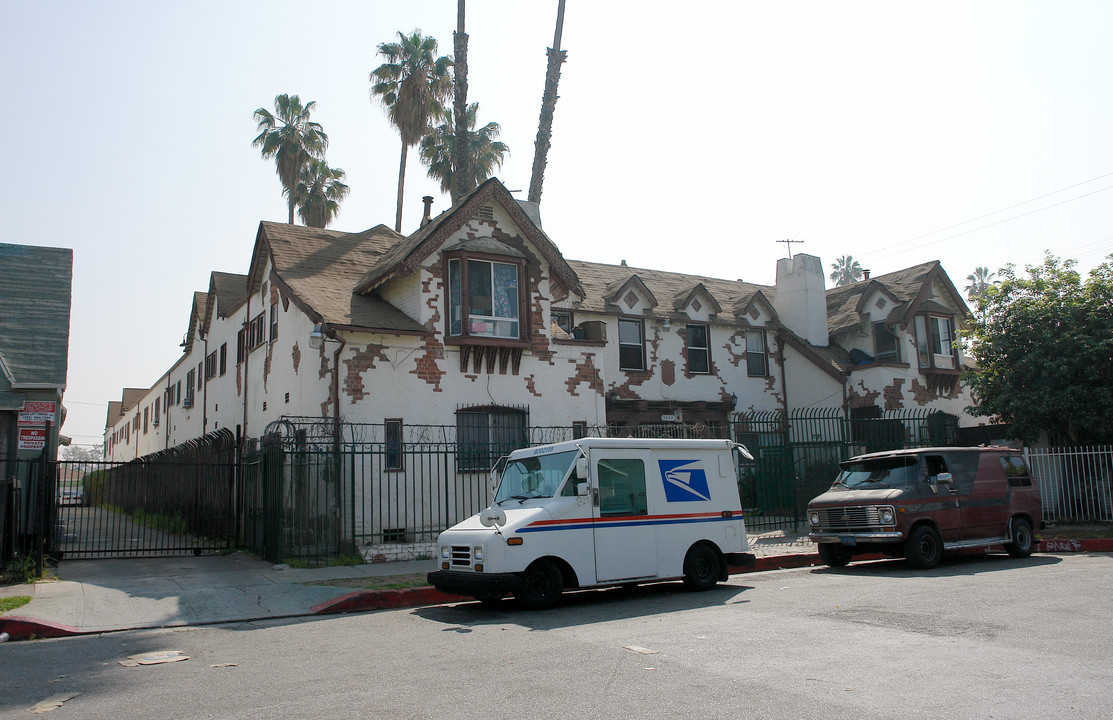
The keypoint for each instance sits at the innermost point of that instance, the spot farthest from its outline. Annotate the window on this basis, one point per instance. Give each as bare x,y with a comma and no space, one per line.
210,366
256,332
886,347
146,418
158,411
200,374
563,320
579,429
1016,471
274,322
934,343
621,487
241,345
224,358
756,362
483,299
631,345
189,389
393,457
699,349
485,434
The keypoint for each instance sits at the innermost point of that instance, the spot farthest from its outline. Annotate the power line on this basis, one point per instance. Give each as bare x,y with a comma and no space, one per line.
981,227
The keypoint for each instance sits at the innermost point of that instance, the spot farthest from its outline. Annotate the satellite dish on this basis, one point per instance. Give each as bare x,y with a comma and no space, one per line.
492,516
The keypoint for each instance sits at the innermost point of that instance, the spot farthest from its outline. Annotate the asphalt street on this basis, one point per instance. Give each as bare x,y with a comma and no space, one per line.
988,637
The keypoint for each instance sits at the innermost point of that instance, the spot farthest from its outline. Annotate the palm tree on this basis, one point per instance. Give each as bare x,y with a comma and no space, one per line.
319,193
483,152
845,270
460,186
291,138
412,85
548,107
979,280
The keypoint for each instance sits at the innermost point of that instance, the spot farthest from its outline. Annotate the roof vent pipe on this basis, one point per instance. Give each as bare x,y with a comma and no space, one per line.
428,200
865,274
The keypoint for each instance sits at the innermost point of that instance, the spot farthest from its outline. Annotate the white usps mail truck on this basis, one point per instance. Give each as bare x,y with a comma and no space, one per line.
600,511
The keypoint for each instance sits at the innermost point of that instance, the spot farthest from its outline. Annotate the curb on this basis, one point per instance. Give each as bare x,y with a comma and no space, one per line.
25,628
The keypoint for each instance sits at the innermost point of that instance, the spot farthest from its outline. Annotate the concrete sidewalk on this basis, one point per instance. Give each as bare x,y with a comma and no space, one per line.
94,596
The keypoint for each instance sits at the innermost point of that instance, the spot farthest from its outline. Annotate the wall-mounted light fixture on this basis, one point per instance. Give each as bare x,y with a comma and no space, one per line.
317,337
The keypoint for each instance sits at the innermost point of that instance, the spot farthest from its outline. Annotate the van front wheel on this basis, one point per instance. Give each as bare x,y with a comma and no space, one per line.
542,584
924,548
1022,540
701,568
835,556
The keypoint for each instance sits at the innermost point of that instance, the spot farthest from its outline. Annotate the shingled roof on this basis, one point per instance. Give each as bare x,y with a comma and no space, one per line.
907,286
322,267
35,285
601,281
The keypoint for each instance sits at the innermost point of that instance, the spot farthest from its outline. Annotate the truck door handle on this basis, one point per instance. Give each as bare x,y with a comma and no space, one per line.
595,497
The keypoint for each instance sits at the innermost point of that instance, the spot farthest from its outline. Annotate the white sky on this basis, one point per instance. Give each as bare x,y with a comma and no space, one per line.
688,137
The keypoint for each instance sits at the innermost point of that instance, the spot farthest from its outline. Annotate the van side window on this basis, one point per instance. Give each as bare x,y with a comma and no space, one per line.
933,465
621,487
964,468
1016,471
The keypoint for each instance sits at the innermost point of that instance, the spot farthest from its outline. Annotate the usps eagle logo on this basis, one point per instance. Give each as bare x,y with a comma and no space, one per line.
685,481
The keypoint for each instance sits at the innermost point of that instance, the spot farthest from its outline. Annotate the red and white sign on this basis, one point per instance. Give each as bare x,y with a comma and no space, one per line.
37,412
32,438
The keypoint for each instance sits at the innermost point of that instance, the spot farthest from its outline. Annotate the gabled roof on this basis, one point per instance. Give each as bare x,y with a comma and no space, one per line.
130,398
35,285
602,282
909,287
321,267
683,298
114,414
404,257
197,313
229,289
743,305
616,290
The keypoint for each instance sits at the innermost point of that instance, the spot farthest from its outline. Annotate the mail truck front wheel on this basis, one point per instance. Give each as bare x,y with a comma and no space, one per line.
542,584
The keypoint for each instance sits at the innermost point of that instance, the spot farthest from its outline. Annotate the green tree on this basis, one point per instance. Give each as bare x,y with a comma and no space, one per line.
291,138
319,193
484,154
412,85
1045,352
845,270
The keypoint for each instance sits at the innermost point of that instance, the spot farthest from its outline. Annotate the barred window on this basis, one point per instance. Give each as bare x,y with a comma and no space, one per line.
484,434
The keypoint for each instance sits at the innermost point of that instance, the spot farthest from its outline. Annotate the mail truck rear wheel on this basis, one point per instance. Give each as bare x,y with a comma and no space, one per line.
834,555
1022,540
701,568
542,584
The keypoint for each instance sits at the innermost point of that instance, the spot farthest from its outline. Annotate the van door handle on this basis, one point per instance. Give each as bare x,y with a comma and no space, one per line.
595,497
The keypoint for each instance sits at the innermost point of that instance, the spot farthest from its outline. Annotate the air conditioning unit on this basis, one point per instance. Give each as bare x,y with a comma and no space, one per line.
188,402
155,422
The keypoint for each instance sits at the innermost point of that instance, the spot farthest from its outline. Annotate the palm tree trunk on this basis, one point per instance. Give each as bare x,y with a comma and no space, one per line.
401,187
461,173
291,204
548,107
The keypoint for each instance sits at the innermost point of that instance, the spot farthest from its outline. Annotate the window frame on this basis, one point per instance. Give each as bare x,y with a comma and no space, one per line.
928,339
464,335
476,451
640,324
705,348
751,355
893,356
394,449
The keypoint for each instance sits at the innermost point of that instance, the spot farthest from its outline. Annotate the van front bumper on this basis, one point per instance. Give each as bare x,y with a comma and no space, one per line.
474,584
859,537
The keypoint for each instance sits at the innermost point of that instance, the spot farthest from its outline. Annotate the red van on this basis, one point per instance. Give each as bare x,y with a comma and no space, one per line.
920,503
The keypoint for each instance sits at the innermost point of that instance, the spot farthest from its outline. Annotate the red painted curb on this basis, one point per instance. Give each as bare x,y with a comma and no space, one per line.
25,628
1087,545
362,600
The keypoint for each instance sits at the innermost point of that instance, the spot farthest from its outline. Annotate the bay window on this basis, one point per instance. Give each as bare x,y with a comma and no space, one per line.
484,298
935,343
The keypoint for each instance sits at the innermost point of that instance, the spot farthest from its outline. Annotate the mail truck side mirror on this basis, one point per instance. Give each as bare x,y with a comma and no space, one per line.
581,468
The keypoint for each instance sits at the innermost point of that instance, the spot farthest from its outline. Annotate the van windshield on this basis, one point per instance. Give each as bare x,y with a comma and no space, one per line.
878,473
534,477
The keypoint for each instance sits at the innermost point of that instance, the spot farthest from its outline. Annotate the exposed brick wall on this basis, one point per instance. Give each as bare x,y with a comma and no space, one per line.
866,398
668,373
295,355
586,374
362,361
322,373
894,398
531,386
425,365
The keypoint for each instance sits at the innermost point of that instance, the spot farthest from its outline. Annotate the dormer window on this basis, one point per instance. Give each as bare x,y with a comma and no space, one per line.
935,343
886,347
485,293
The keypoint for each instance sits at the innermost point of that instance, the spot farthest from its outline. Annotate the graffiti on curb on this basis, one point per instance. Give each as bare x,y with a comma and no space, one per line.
1062,546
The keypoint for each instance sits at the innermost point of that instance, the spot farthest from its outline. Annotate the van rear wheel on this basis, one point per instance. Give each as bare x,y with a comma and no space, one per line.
924,548
1022,539
542,584
834,555
701,568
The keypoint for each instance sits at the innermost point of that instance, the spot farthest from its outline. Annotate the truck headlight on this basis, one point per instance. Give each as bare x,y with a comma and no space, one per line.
444,551
477,553
885,515
813,517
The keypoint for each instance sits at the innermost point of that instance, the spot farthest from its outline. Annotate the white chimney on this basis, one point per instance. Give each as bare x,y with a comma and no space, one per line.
801,299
